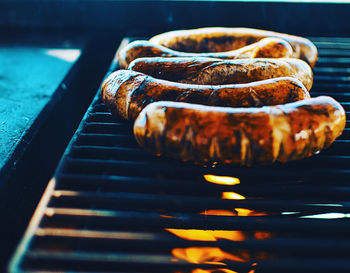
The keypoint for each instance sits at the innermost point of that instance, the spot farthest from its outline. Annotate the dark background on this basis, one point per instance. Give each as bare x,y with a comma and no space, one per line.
120,17
99,27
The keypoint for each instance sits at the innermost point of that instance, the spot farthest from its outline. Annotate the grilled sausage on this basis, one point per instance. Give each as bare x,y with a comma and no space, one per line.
243,136
127,92
216,71
224,39
265,48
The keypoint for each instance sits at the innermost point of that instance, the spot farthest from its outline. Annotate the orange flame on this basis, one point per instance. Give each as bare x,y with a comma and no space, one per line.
237,212
232,195
207,235
262,235
224,270
166,216
219,212
205,255
214,255
248,212
221,180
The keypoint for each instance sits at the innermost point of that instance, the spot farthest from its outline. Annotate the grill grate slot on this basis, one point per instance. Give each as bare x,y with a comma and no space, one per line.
115,208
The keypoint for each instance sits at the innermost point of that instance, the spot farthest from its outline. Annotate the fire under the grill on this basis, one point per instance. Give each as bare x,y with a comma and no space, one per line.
112,207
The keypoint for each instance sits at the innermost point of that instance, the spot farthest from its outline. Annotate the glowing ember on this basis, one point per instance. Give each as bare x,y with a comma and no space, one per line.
166,216
262,235
219,212
221,180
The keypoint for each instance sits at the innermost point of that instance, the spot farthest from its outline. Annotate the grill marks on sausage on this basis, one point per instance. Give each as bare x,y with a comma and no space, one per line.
224,39
215,71
133,95
245,136
268,48
220,43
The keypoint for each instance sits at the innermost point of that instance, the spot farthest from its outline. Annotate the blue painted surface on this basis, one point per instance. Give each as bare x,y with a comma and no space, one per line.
29,76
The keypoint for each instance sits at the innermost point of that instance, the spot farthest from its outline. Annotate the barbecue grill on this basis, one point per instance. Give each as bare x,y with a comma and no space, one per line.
112,207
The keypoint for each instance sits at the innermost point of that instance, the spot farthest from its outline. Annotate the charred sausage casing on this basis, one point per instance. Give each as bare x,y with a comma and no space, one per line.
127,92
240,135
265,48
217,71
218,39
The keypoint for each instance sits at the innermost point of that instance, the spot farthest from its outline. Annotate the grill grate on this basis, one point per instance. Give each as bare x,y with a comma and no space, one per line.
111,205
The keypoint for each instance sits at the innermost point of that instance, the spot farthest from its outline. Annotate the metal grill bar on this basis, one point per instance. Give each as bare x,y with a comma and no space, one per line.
124,200
115,208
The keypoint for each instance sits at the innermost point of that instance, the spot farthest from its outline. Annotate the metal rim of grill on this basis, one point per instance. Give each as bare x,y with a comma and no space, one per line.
109,203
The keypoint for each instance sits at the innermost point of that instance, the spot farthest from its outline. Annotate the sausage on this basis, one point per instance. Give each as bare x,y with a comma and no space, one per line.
224,39
127,92
265,48
216,71
242,136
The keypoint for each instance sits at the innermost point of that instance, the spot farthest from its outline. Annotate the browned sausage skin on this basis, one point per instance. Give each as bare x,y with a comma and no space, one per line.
223,39
127,92
243,136
265,48
216,71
